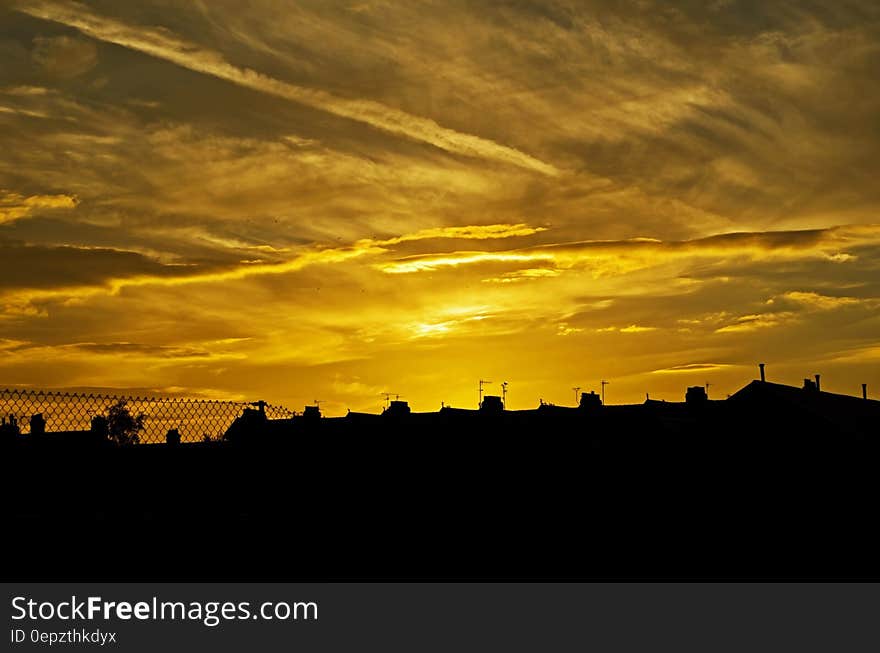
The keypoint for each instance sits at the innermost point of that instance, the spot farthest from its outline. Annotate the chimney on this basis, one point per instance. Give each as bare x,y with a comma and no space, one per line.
761,365
38,424
818,385
864,391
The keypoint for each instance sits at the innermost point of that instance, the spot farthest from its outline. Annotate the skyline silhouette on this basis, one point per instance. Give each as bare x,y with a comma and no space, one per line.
776,481
18,402
42,418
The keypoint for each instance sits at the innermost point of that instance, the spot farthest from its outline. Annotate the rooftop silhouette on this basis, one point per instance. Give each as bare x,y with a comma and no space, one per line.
654,489
759,406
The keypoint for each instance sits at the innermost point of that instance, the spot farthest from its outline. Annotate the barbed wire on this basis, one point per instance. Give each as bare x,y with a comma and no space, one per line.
195,419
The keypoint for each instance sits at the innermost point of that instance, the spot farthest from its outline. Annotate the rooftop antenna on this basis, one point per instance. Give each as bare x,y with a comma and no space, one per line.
604,383
482,383
504,394
318,403
577,394
387,396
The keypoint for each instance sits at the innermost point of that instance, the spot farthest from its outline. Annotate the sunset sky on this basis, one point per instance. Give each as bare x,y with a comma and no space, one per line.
330,200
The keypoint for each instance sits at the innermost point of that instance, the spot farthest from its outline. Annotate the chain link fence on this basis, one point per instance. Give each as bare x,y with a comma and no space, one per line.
195,419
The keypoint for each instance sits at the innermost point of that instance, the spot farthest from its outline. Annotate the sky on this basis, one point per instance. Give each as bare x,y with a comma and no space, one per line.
330,200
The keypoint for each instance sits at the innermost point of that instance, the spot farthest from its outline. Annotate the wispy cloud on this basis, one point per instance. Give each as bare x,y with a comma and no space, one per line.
14,206
469,232
691,368
819,302
167,46
177,275
630,254
754,322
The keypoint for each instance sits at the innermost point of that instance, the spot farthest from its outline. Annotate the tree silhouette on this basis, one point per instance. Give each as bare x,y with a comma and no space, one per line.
123,427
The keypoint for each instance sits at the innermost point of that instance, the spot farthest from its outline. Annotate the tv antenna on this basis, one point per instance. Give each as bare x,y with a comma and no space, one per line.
388,396
504,394
482,383
604,383
577,394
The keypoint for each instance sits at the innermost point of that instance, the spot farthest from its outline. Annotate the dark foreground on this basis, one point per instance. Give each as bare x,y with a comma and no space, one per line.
749,491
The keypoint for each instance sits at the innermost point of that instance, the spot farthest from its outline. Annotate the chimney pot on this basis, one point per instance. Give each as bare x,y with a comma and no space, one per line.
864,391
761,365
818,385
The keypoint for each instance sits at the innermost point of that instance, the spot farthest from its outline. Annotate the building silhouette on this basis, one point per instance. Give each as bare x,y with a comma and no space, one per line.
774,481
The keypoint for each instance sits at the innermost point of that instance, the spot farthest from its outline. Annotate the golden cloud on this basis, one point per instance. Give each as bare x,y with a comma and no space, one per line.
164,45
754,322
620,256
14,206
470,232
691,368
19,301
819,302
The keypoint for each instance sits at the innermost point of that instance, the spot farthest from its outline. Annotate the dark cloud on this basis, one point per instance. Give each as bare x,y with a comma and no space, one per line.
64,56
25,266
139,349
